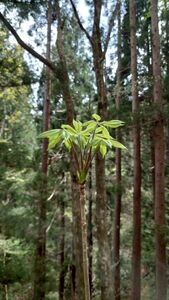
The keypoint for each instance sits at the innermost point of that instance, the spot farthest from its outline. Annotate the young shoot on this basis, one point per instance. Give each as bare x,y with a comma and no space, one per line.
85,140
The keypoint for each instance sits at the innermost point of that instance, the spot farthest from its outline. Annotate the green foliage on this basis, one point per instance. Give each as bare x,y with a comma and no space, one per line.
85,140
12,253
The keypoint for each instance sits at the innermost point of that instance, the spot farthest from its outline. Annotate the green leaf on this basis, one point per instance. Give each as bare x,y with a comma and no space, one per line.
105,141
117,144
90,128
77,125
98,129
95,142
49,133
83,140
67,144
105,132
69,128
96,117
54,140
103,149
112,123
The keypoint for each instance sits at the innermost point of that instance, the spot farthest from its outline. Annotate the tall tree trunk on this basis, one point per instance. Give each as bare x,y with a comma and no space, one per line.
136,250
160,244
166,9
106,281
79,271
40,256
117,211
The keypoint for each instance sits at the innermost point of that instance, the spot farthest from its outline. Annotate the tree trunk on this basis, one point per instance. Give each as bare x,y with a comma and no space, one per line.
106,277
117,211
40,256
160,243
79,289
136,249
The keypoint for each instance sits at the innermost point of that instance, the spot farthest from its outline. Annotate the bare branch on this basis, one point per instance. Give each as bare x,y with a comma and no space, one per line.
111,24
79,22
25,46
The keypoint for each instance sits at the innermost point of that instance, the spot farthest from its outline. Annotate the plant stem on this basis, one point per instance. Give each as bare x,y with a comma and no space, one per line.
84,242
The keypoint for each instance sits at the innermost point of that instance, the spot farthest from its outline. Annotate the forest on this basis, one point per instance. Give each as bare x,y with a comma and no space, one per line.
84,150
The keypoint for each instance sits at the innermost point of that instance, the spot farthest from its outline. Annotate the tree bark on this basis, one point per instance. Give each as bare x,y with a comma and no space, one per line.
79,289
160,243
106,276
117,211
40,256
101,211
136,249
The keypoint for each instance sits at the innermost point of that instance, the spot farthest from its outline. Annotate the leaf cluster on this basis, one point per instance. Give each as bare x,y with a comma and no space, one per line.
85,140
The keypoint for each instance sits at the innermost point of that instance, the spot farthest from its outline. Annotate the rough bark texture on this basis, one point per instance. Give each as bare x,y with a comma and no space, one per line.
160,244
40,257
106,281
117,211
136,250
105,266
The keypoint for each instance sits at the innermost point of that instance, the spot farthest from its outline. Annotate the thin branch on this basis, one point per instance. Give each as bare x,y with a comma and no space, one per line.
80,23
111,24
25,46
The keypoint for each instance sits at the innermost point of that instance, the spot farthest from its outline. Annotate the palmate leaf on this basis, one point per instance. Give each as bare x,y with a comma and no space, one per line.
85,139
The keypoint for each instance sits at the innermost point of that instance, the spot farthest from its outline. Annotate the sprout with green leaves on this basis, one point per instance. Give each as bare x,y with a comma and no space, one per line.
85,140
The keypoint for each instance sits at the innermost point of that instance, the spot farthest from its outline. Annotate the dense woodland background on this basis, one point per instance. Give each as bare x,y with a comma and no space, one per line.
114,61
